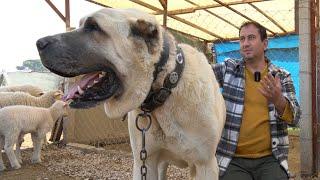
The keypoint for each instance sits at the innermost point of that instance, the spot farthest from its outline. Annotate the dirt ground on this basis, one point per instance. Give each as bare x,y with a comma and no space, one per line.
115,162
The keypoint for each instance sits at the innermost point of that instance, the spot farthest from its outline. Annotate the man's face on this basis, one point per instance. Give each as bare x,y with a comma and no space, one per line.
251,46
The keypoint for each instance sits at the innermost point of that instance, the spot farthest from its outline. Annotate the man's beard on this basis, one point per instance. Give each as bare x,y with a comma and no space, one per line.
249,59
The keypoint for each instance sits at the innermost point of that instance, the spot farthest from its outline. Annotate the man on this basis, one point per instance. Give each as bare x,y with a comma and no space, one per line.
260,101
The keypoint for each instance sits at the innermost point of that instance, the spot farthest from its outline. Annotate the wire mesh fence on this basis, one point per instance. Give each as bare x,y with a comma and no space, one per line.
92,126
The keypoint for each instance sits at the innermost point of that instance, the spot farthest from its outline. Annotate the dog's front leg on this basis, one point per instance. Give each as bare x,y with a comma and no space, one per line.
162,170
208,170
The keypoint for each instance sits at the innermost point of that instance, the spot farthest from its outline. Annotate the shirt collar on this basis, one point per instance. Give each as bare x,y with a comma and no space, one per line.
241,63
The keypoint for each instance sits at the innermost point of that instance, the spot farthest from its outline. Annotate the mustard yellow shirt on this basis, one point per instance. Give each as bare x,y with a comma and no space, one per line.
254,138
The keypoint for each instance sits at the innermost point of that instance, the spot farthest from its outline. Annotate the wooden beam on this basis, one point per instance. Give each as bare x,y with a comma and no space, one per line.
146,5
176,12
195,26
164,4
191,10
269,36
56,10
66,18
97,3
186,34
239,13
177,18
267,16
219,17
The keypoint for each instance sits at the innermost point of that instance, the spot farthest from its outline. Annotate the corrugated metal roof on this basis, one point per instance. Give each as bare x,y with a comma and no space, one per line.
215,19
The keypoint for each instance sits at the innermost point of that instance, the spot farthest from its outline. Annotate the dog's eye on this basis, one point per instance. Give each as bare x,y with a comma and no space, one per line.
91,26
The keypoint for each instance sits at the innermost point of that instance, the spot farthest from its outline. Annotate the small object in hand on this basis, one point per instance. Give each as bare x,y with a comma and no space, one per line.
257,76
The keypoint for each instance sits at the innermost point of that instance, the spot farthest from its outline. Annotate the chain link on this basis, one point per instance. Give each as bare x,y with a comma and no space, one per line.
143,152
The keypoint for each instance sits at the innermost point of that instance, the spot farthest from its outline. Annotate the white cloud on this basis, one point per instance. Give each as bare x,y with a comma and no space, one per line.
24,22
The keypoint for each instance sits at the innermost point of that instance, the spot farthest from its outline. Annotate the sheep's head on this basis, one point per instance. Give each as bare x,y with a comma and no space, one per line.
61,107
58,95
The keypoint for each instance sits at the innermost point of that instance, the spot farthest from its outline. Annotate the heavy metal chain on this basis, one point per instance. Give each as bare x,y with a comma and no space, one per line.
143,152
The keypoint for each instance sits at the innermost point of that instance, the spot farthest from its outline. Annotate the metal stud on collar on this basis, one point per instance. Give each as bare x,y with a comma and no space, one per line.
179,58
173,78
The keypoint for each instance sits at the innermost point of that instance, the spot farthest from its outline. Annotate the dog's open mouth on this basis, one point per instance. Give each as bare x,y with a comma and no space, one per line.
93,88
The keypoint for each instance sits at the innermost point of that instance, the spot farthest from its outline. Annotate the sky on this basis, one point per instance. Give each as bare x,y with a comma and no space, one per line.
23,22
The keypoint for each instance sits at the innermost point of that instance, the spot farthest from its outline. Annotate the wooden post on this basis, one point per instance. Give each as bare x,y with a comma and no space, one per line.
296,16
313,46
68,123
164,4
67,15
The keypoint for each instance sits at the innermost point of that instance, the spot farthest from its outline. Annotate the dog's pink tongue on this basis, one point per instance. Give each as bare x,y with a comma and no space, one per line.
85,80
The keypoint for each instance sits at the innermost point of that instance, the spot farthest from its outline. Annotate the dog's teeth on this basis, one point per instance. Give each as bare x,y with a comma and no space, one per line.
95,81
101,75
80,90
89,86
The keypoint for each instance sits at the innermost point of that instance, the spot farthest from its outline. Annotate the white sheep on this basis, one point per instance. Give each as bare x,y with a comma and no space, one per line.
21,98
30,89
18,120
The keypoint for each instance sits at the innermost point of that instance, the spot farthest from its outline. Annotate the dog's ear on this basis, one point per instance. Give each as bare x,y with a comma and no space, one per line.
148,31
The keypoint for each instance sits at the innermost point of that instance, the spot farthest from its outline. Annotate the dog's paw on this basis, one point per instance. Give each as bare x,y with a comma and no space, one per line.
19,160
35,160
2,167
16,166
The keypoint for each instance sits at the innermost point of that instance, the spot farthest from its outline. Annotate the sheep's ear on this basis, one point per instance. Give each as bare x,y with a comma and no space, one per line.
58,95
148,31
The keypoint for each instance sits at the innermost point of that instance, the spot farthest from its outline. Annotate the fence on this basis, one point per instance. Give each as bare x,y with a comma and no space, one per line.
92,126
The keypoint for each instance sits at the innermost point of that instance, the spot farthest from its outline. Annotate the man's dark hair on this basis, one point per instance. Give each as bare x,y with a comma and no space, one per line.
262,30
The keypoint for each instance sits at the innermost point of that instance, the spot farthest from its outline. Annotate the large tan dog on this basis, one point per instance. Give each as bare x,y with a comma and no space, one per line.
117,51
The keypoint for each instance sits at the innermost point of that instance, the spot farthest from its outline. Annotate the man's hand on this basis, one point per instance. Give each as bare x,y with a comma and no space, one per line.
271,89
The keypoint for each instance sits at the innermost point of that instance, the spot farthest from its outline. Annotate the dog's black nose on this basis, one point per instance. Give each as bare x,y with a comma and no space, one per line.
42,43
